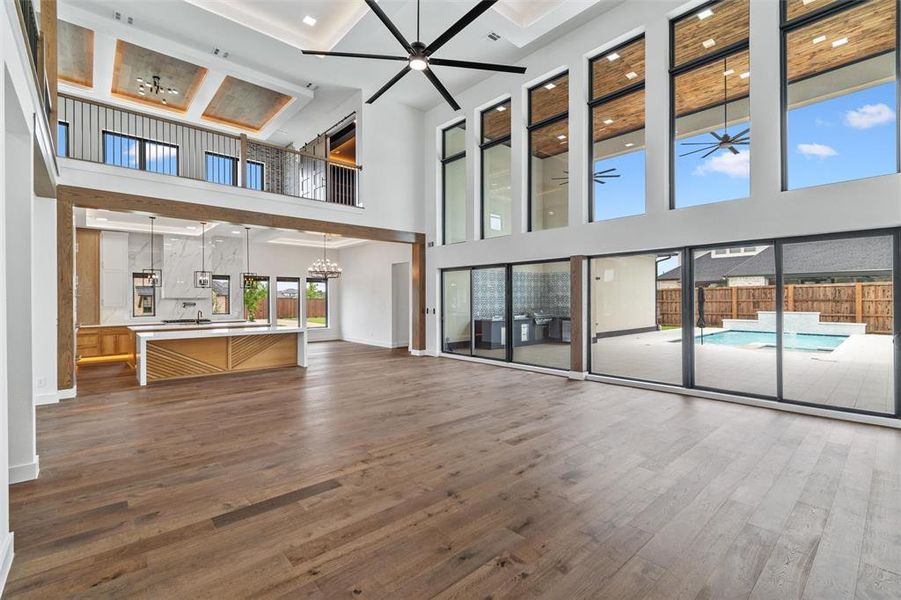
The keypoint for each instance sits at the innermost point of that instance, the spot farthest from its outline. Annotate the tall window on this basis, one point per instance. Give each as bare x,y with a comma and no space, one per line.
711,78
62,139
143,296
841,95
221,292
453,175
549,154
254,175
497,199
287,301
256,298
617,132
317,303
136,153
221,169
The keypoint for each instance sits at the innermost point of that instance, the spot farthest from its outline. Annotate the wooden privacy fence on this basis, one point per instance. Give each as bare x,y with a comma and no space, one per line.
288,308
869,303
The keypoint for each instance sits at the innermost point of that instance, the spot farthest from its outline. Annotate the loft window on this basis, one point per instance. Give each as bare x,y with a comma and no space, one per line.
254,175
453,176
136,153
548,133
317,303
62,139
143,296
221,169
497,199
221,294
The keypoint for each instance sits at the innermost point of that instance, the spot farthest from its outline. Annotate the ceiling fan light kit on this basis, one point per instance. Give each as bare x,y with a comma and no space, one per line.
419,56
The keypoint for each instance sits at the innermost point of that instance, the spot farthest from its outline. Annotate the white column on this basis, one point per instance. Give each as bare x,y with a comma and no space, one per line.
43,294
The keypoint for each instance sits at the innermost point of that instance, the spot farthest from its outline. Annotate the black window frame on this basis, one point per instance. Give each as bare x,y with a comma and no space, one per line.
323,280
446,160
142,151
483,146
594,103
228,295
262,167
143,277
63,152
234,161
268,281
786,26
675,71
538,125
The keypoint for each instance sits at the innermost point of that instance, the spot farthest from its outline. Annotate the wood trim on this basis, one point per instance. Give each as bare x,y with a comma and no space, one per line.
51,60
242,161
117,201
576,316
65,285
87,270
418,303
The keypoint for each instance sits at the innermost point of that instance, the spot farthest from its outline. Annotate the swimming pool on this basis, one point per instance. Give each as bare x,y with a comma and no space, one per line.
791,341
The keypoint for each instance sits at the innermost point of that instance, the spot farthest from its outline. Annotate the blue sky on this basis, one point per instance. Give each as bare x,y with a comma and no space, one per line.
624,195
719,177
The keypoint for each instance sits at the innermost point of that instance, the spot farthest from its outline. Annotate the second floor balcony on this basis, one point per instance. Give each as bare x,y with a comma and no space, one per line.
101,133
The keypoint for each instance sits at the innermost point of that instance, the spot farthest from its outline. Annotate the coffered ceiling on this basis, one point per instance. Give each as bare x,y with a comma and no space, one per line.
135,67
76,54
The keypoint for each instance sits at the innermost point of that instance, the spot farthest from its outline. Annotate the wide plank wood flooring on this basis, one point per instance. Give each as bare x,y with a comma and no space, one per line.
374,474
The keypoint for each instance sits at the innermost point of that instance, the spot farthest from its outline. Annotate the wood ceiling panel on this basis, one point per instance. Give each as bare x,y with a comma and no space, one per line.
868,28
134,61
245,105
496,122
702,87
726,24
625,112
76,54
546,103
546,140
625,69
799,8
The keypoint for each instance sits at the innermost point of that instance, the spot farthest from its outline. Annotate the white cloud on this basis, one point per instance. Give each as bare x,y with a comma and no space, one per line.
736,166
869,115
815,150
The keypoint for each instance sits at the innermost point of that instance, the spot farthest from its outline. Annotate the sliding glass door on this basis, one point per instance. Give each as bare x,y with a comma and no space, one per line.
489,313
456,330
541,315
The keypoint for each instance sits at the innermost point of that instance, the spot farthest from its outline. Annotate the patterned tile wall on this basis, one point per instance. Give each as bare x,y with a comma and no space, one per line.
547,292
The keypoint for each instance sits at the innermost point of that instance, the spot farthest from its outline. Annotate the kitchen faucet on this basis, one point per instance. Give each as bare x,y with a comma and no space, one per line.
199,316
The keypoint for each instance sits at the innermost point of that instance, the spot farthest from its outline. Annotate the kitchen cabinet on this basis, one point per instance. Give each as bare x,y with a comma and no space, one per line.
105,344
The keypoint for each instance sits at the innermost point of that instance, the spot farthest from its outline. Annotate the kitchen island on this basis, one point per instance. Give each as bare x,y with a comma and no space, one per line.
199,352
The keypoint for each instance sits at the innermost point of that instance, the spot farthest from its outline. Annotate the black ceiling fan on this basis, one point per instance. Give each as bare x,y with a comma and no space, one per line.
725,141
597,176
419,56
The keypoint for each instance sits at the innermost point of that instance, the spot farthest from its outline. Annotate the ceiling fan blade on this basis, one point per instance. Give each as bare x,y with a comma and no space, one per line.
699,150
465,64
606,171
373,5
356,55
748,143
440,87
697,143
733,150
459,26
385,87
738,135
611,175
718,137
711,152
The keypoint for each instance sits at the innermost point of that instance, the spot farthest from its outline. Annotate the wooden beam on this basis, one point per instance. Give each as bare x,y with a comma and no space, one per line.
51,61
242,174
65,294
576,316
117,201
418,304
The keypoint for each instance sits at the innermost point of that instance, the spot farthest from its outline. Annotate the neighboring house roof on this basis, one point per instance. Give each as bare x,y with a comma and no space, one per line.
866,255
220,287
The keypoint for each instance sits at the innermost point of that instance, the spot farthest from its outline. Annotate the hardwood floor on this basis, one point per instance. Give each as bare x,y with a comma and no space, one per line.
378,475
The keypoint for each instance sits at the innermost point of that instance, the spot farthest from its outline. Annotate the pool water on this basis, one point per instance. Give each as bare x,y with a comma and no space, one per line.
791,341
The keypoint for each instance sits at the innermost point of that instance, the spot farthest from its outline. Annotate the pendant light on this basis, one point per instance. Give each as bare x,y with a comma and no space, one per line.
323,268
249,275
203,278
152,275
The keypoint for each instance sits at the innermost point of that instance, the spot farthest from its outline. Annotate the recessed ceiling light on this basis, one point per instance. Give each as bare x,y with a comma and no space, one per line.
612,56
806,2
629,145
631,75
101,219
728,72
190,228
608,121
745,75
501,108
561,137
819,38
550,86
705,13
709,43
236,232
840,42
308,20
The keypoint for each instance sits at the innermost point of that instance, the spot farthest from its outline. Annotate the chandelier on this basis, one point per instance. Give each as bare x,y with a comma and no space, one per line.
152,85
323,268
248,276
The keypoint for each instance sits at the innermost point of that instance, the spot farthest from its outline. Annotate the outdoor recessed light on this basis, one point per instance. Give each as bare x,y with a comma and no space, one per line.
190,228
561,137
501,108
308,20
745,75
728,72
612,56
608,121
101,219
705,13
236,232
709,43
840,42
631,75
806,2
819,38
629,145
550,86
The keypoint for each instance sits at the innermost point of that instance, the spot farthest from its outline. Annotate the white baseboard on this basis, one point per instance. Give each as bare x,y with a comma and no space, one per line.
26,472
48,398
578,375
419,352
67,394
7,553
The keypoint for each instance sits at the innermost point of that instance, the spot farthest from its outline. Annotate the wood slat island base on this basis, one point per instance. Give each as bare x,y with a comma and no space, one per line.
164,355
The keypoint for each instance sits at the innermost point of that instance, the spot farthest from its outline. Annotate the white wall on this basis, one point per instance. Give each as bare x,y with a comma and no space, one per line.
43,300
366,293
623,293
768,212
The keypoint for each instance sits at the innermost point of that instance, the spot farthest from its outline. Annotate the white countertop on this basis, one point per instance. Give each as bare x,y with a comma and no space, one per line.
188,326
181,334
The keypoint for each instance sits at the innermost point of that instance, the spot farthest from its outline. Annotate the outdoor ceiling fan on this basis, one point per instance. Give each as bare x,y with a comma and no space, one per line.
419,56
725,141
597,176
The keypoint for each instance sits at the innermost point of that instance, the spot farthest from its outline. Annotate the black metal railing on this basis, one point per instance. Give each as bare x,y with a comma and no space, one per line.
35,44
106,134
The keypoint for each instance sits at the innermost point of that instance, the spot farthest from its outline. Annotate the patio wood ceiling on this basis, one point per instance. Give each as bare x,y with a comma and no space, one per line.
133,61
726,25
610,76
243,104
546,103
76,54
626,112
496,123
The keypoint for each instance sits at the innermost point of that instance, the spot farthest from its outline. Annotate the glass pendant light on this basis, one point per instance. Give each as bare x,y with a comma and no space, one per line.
203,278
323,268
152,276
